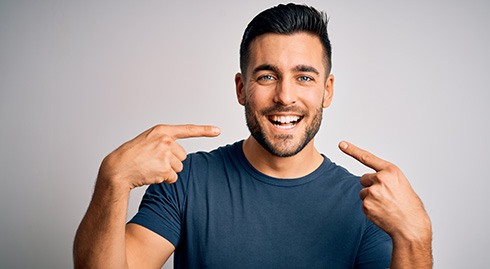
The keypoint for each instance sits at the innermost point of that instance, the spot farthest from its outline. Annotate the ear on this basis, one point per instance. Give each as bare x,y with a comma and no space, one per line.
328,95
240,88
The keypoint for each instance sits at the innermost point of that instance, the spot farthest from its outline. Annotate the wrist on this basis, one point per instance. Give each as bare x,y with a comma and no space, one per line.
412,248
108,178
110,185
416,233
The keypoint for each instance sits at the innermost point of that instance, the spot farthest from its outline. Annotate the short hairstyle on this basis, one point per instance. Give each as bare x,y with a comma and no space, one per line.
287,19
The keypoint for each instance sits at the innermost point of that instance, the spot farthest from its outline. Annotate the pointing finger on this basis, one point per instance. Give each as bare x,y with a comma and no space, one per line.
191,130
363,156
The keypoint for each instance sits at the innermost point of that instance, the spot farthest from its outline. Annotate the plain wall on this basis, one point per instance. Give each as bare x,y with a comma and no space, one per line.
78,78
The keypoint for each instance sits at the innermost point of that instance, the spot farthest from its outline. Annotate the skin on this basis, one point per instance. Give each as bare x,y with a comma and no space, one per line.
103,239
296,85
295,79
390,202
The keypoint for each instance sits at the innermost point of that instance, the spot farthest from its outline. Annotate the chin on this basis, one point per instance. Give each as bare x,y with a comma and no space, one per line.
282,145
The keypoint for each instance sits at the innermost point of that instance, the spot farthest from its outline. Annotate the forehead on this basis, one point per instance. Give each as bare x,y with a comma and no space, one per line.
287,51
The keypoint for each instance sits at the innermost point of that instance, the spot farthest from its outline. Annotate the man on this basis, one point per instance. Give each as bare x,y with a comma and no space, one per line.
270,201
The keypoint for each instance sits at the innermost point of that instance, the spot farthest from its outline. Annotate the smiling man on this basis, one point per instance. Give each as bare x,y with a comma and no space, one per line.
269,201
284,88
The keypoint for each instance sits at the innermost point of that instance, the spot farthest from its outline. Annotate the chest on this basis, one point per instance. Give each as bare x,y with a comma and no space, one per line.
247,222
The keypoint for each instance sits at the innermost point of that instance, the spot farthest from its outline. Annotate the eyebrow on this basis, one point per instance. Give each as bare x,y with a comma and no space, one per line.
265,67
306,68
298,68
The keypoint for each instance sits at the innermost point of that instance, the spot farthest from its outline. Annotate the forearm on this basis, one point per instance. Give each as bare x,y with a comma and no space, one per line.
413,252
152,157
100,238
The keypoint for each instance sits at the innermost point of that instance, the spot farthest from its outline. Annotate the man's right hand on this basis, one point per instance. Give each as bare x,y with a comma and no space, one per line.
152,157
102,240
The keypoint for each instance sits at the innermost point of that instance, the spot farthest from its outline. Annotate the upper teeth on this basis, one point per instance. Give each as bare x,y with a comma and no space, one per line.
285,119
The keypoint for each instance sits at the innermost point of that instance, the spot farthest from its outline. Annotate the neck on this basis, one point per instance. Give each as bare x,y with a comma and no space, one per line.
299,165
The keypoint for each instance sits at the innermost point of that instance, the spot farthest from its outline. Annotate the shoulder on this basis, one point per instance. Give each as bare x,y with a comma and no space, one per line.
200,165
340,176
216,156
205,165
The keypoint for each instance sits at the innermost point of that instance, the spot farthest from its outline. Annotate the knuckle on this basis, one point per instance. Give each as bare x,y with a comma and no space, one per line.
374,192
182,157
165,140
208,129
366,207
180,152
188,129
179,167
172,178
385,177
392,168
382,177
366,180
365,157
369,207
165,166
167,156
160,128
364,193
109,159
369,191
159,179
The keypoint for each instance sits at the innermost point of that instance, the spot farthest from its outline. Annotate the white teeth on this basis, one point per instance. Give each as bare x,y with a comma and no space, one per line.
285,126
285,119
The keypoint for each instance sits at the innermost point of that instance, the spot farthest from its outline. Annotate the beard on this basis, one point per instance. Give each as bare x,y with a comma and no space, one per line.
283,145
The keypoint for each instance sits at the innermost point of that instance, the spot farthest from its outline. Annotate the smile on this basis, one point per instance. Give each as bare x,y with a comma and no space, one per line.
284,121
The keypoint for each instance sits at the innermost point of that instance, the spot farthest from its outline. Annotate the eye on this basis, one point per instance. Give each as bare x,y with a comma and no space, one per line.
266,78
304,78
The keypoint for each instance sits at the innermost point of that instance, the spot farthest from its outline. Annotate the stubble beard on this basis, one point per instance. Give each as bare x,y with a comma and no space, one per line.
284,145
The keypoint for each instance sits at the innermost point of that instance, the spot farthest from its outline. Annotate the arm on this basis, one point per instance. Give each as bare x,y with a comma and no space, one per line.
100,238
390,202
146,249
103,240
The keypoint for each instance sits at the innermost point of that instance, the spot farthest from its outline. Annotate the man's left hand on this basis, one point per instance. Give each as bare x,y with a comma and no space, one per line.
388,199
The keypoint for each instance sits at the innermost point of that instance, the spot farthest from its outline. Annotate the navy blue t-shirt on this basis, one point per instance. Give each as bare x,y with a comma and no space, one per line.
223,213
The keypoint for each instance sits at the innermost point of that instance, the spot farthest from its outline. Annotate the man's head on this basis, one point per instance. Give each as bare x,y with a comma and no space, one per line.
287,19
285,81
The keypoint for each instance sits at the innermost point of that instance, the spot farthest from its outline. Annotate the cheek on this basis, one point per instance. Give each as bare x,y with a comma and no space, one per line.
255,91
315,100
256,97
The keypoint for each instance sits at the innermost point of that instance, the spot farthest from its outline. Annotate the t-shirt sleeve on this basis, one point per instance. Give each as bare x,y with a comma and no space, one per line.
161,207
375,248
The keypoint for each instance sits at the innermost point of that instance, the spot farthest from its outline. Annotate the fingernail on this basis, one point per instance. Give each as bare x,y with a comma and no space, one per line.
216,130
343,145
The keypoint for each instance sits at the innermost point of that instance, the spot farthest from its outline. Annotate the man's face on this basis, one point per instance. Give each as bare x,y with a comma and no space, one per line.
284,91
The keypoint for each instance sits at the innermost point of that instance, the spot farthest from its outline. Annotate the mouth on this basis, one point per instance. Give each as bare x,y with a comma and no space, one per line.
285,121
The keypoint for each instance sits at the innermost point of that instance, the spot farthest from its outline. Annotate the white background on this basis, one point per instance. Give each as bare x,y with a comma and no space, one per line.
77,79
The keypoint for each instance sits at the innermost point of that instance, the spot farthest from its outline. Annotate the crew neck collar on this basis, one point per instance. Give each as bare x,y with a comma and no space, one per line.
285,182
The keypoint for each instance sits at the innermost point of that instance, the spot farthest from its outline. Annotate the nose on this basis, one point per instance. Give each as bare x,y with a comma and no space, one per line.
285,93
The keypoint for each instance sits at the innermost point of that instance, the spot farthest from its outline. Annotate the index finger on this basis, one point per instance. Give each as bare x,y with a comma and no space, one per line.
363,156
192,130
